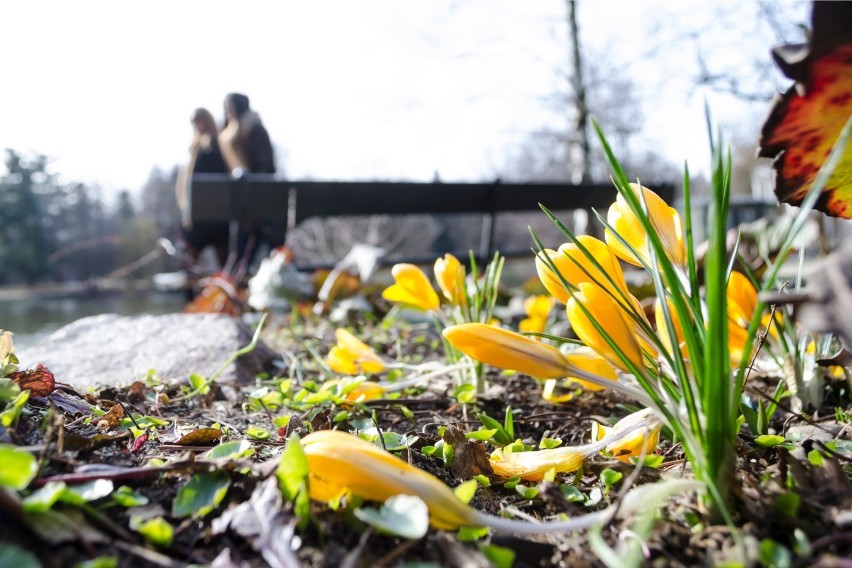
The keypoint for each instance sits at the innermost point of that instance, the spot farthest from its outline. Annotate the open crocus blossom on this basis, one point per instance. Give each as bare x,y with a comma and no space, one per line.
666,220
449,274
575,267
351,356
631,436
742,299
362,391
412,287
612,319
339,463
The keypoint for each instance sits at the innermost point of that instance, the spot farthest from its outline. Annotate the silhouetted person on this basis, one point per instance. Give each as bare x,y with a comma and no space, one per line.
205,156
245,143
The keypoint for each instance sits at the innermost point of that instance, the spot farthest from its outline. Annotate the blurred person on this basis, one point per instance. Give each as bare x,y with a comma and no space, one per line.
245,143
205,156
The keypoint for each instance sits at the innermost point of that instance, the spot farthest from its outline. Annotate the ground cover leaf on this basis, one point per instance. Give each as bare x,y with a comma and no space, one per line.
17,467
11,555
401,515
805,122
201,494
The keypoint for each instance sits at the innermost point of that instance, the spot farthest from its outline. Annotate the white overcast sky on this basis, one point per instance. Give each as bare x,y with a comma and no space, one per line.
390,89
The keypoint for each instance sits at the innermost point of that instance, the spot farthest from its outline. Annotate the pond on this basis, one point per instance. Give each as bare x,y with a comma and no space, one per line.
31,318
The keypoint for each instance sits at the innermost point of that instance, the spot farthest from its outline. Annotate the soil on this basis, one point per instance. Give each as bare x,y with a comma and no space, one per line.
61,431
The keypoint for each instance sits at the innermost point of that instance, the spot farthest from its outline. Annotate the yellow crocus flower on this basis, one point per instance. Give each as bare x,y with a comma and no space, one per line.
365,390
533,465
633,433
449,274
341,463
616,323
742,299
506,349
662,328
412,287
666,220
586,359
537,309
572,272
351,356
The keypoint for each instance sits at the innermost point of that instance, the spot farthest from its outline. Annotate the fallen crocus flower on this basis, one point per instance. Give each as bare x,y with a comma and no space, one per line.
352,356
631,436
339,463
533,465
411,287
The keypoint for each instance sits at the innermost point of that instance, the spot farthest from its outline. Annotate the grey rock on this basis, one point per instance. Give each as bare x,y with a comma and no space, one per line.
110,349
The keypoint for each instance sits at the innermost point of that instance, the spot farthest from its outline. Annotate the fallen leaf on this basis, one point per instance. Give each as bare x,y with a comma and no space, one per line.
805,122
38,381
200,436
112,418
470,458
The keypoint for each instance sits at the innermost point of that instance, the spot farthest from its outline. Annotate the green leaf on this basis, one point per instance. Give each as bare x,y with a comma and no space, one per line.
787,504
471,534
257,433
499,556
157,531
482,480
293,469
773,555
512,483
653,461
769,440
99,562
527,492
610,477
199,384
406,516
80,493
501,436
482,434
17,468
43,499
127,497
235,449
549,443
201,494
571,493
9,390
466,490
11,555
11,414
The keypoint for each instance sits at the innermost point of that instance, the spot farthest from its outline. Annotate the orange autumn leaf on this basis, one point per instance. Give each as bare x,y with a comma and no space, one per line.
38,381
805,122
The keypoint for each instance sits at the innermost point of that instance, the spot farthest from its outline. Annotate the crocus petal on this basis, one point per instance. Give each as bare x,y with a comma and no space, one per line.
449,274
533,465
612,319
632,432
532,325
587,360
339,462
663,330
412,287
351,356
666,220
742,299
538,306
506,349
576,267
